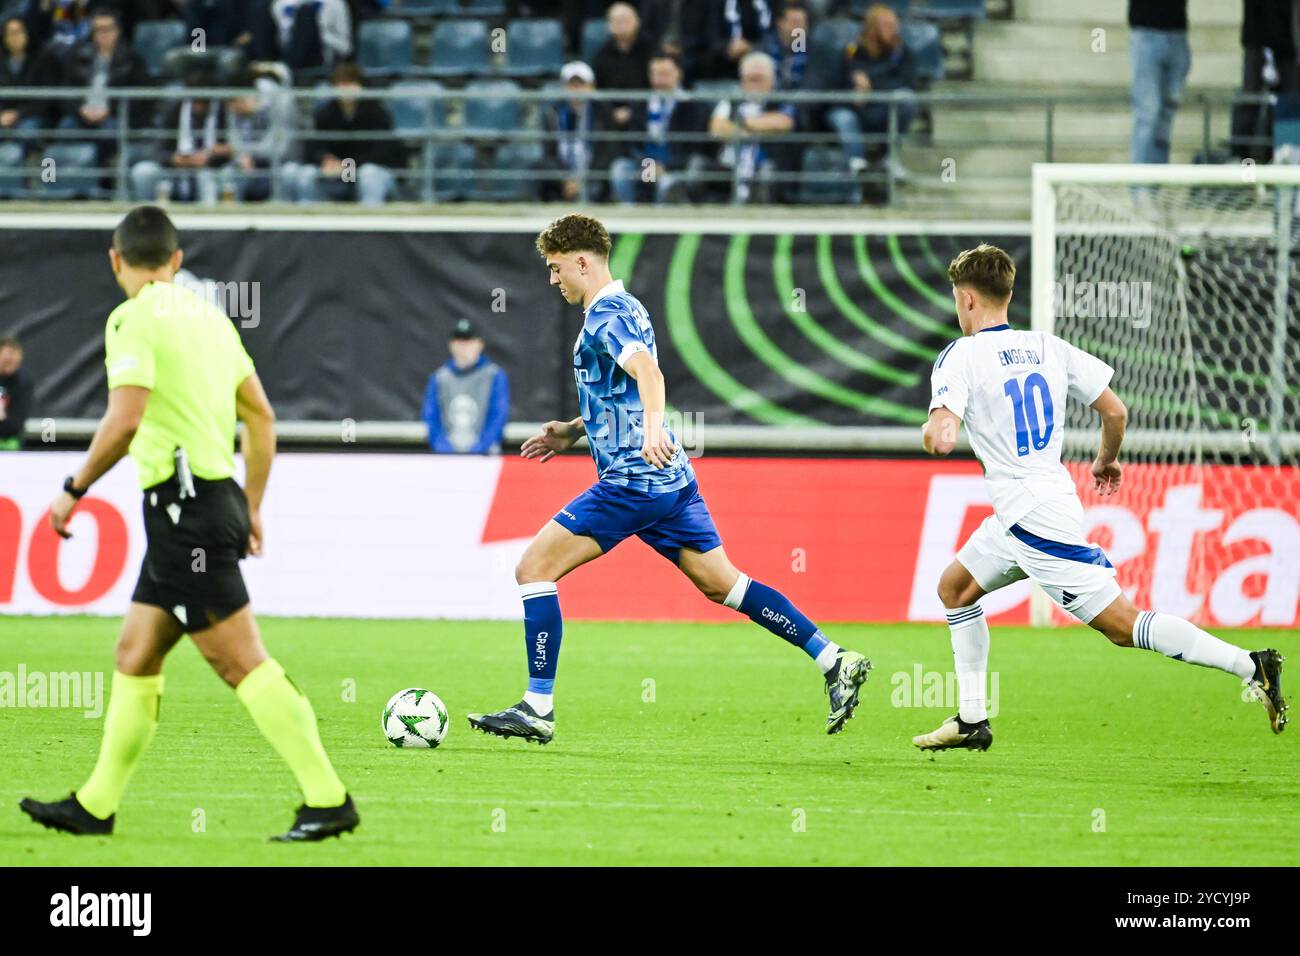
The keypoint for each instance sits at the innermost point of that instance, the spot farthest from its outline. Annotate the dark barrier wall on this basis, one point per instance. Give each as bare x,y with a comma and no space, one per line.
780,329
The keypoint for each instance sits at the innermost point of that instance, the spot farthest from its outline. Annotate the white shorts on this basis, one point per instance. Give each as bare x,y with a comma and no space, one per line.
1048,547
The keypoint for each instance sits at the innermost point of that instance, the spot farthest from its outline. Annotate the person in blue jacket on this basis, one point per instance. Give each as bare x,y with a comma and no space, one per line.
467,401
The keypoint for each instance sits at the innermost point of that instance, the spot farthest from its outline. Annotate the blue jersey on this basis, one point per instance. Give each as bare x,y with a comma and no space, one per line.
617,326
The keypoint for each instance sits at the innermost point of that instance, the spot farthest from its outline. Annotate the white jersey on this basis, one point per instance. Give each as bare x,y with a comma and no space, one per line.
1010,388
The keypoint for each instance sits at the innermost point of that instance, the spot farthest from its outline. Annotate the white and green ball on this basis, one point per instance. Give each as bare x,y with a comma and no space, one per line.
415,717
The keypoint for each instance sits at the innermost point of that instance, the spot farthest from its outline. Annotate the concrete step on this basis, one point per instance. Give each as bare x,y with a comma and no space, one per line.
1030,66
1077,39
1007,162
1222,13
1080,123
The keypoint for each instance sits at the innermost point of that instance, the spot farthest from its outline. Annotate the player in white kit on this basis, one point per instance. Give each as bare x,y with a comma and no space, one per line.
1010,388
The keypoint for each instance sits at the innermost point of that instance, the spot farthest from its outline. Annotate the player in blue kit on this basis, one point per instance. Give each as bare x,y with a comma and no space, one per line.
646,488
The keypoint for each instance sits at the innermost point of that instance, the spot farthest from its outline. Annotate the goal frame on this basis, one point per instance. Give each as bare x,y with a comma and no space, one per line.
1043,256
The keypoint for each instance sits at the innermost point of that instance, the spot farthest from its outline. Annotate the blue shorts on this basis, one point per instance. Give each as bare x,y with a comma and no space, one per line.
667,522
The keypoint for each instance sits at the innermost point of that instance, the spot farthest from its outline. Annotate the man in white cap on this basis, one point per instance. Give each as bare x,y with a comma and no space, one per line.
573,148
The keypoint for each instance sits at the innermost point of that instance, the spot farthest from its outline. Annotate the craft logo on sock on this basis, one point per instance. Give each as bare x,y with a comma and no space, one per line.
131,910
539,650
76,689
781,621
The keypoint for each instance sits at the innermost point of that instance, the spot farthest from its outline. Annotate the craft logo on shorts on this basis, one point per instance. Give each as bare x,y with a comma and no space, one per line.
130,910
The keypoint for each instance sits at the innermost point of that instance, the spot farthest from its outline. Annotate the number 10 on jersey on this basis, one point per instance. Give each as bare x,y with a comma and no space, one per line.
1030,425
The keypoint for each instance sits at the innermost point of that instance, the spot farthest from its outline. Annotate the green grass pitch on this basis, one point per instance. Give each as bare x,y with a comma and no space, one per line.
1101,755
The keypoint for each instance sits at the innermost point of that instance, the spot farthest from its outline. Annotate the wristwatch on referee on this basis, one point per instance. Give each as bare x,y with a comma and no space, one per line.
72,489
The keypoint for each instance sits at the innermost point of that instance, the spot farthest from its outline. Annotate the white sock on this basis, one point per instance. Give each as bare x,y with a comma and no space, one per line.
542,704
825,659
1184,641
970,652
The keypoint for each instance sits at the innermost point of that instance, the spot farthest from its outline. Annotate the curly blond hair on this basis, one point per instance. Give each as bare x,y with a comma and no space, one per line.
574,233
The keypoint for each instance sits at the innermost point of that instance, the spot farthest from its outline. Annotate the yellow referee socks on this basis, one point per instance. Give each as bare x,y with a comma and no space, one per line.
129,723
284,716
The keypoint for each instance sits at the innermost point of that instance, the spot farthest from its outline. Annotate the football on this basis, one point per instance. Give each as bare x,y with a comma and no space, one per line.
415,717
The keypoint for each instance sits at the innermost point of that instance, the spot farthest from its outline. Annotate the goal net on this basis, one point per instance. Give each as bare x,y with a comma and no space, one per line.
1184,279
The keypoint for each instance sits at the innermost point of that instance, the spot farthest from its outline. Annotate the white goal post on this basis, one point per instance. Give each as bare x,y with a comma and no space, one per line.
1182,277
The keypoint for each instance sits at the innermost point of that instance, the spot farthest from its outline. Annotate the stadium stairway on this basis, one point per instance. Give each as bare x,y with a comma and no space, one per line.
1047,48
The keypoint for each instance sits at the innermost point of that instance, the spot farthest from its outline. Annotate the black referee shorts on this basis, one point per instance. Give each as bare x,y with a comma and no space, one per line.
194,546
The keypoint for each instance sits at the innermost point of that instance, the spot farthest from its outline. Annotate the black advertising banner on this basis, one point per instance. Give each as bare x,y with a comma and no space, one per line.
752,328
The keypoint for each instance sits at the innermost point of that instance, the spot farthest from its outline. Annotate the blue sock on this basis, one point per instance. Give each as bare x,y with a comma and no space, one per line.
772,609
543,628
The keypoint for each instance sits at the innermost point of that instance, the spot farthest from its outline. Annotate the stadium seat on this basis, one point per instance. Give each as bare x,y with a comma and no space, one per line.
180,62
534,47
826,46
512,174
493,114
722,89
482,8
230,64
1286,121
423,8
923,40
13,169
858,8
385,48
835,185
153,38
595,32
453,172
950,9
460,48
75,176
418,112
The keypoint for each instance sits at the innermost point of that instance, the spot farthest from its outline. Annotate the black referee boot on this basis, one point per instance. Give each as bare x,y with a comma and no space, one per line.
67,815
318,823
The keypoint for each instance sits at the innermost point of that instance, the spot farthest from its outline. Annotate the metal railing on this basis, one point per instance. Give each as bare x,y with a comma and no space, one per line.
424,174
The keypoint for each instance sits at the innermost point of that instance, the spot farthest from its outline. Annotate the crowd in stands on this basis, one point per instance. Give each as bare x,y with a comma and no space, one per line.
747,143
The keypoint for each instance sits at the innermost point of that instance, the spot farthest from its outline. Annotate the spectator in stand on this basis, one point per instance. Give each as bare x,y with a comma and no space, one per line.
572,150
572,13
876,62
1161,61
313,33
223,22
468,399
650,174
718,33
261,132
21,66
1268,42
661,22
103,62
623,62
1268,39
185,167
751,128
59,23
15,395
351,166
131,13
788,46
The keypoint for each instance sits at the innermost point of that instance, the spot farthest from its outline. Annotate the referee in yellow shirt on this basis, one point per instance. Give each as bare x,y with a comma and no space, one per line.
178,378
